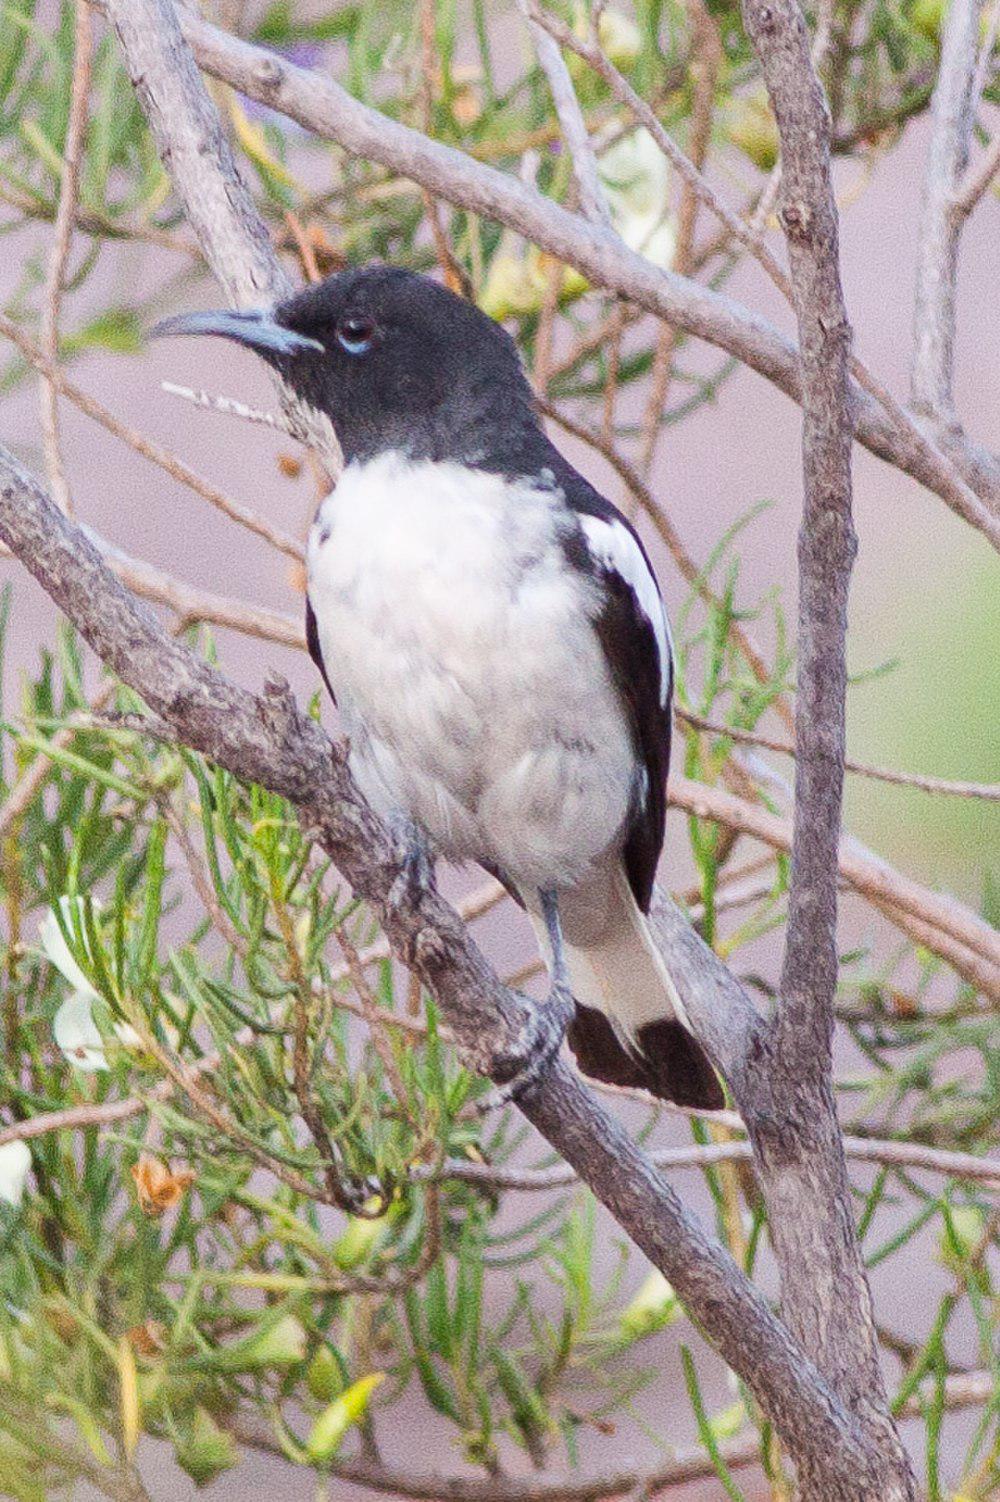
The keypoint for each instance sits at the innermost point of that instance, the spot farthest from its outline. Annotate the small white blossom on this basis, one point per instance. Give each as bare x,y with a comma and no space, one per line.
56,949
619,37
78,1035
73,1027
636,177
15,1160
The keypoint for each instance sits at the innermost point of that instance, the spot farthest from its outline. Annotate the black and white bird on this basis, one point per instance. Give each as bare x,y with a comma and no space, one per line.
492,633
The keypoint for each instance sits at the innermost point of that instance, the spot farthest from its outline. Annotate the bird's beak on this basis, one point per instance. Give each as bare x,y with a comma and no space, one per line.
257,328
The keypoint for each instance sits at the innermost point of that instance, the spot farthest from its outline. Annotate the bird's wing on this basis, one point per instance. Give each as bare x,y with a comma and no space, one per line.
315,651
633,631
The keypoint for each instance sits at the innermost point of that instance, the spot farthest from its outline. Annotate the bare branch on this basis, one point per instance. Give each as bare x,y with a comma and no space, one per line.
689,1464
952,110
825,1293
593,203
230,405
913,918
942,469
869,875
960,1390
703,69
897,1154
188,132
988,791
218,206
59,254
977,180
893,1152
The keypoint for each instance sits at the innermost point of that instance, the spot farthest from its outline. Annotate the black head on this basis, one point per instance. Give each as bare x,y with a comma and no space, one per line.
396,362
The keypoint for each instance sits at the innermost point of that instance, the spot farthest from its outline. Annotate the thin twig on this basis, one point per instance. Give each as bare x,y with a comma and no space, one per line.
192,605
100,226
230,406
989,791
154,452
706,56
454,275
979,176
59,256
895,1153
914,921
872,878
952,114
590,190
959,1390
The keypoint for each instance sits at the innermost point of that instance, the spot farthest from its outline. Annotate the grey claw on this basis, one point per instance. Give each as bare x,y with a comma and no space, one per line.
523,1068
415,865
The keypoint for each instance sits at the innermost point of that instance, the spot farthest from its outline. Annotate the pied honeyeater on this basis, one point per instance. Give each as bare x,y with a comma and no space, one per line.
492,633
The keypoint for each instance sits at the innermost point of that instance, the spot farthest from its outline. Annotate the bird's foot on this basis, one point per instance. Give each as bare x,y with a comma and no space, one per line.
522,1068
413,860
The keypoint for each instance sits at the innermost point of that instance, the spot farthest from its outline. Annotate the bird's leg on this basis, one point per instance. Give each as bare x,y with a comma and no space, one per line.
413,858
522,1068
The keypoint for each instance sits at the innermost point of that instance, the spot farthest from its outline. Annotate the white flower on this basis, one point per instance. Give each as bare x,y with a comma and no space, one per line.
617,34
15,1160
57,951
636,178
77,1034
619,37
73,1026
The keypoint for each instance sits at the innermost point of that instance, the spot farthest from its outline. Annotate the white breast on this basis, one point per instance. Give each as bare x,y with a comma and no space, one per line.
462,654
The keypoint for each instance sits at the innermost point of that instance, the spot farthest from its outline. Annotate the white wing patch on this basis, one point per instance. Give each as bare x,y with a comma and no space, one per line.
614,548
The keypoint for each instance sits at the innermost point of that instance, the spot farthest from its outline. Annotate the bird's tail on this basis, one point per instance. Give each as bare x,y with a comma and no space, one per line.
630,1027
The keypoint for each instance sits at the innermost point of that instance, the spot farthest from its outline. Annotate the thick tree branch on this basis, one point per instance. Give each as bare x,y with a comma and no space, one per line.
190,139
825,1292
192,144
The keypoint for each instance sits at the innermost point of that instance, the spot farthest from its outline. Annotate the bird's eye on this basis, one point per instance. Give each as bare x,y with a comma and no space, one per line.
356,334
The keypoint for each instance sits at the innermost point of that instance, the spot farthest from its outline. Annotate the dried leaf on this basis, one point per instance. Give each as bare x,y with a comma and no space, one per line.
158,1186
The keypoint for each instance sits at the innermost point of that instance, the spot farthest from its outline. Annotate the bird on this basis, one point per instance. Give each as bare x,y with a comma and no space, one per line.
490,628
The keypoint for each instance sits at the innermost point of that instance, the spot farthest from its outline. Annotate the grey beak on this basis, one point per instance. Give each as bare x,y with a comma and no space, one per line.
254,327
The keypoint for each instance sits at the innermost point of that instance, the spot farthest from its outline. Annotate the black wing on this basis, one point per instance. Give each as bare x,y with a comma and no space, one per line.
633,632
630,645
315,651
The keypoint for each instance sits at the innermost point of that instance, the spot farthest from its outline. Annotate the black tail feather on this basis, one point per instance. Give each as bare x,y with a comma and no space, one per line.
667,1060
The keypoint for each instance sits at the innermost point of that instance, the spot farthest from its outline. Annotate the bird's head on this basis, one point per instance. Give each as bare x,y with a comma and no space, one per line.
394,360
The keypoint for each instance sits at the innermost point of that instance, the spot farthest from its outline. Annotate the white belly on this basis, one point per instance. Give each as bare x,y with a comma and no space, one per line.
466,668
